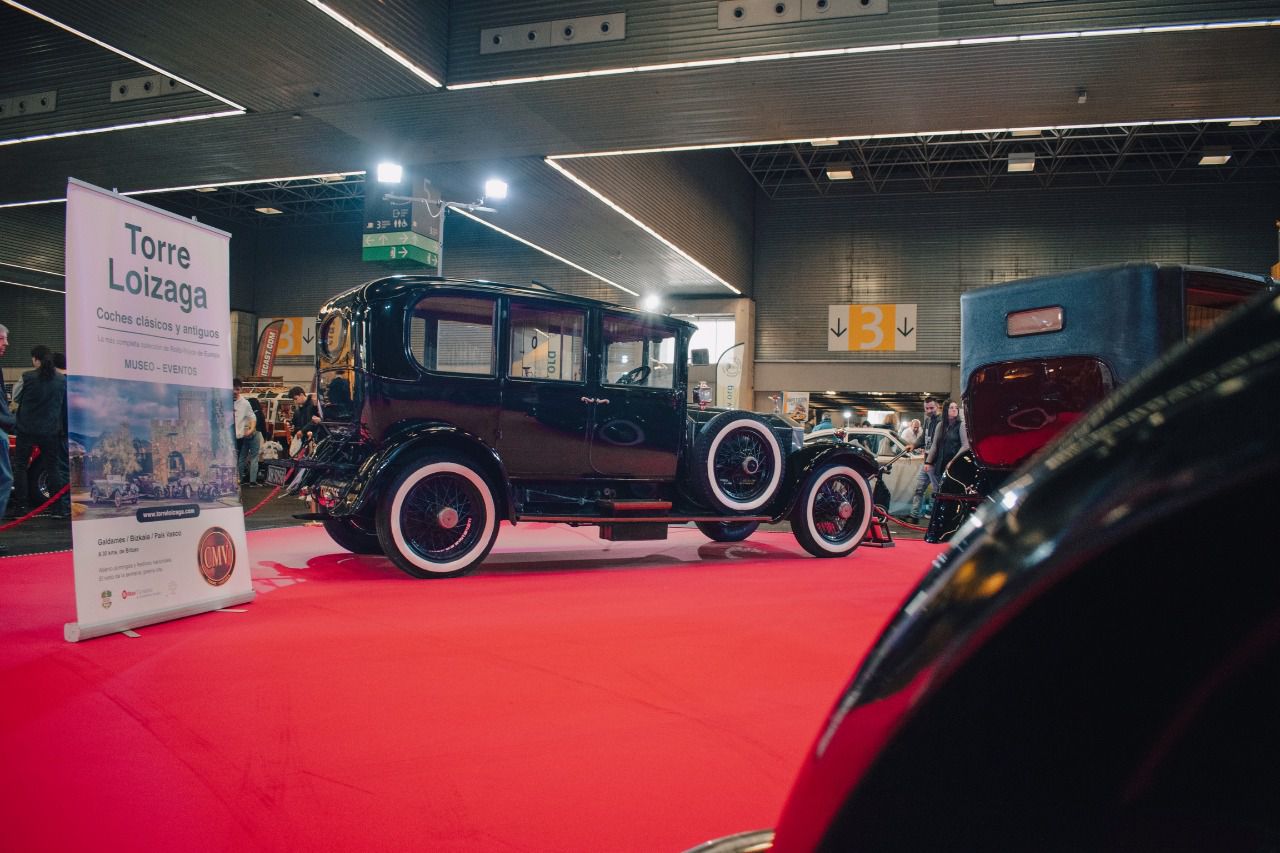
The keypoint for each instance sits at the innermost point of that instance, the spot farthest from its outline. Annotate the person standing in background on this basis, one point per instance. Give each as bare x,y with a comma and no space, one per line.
7,425
927,476
245,426
41,422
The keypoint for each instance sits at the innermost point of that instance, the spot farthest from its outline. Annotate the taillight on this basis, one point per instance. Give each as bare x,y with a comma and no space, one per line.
1015,408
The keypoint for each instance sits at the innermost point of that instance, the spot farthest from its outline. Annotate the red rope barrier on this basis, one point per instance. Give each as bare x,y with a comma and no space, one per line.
37,510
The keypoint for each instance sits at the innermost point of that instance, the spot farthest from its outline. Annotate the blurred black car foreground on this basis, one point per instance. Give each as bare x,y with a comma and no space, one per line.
1095,662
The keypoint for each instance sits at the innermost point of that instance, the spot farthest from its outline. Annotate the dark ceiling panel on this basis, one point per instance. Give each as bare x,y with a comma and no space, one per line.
39,57
265,56
548,209
659,31
418,29
1129,78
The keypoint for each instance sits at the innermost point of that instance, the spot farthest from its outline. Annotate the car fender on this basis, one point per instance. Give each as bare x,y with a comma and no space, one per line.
803,462
403,445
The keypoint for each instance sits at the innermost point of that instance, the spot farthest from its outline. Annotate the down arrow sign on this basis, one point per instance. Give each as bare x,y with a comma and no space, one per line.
905,330
837,331
307,337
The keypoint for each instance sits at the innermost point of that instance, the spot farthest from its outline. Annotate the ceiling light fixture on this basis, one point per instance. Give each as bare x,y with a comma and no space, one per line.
1022,161
39,137
634,221
544,251
495,189
390,173
651,302
823,143
394,54
879,48
1245,122
1026,131
32,286
1215,155
269,211
31,269
839,171
206,189
198,187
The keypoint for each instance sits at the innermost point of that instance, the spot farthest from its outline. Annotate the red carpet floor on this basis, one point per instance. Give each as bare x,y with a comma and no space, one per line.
571,695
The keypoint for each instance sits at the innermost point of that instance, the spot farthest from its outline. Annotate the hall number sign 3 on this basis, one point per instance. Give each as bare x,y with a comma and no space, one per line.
884,326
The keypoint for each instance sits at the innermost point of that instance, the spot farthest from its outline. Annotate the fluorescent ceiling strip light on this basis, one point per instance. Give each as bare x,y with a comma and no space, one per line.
849,51
394,54
865,137
129,126
125,54
31,269
544,251
571,176
32,286
220,184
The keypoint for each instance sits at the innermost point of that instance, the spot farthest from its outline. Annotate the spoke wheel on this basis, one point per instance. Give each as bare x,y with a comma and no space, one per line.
738,462
438,519
832,511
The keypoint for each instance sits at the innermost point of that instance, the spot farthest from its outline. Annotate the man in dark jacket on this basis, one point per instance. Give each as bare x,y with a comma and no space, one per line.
928,475
6,426
41,423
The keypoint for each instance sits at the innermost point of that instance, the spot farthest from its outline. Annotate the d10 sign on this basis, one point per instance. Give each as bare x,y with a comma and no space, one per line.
886,326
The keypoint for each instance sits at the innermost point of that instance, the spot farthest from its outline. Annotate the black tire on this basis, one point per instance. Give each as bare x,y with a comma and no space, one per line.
439,517
727,531
832,511
38,489
357,535
737,463
188,492
117,500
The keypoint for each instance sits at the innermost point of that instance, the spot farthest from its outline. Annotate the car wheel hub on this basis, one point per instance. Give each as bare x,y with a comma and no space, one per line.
750,465
447,518
845,510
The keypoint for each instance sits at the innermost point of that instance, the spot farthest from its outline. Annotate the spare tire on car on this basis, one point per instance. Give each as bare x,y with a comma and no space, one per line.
737,463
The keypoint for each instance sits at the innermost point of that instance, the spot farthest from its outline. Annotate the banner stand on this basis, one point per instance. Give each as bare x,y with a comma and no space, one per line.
73,633
158,532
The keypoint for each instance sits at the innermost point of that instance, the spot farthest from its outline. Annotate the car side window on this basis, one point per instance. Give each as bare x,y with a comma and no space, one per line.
546,342
638,351
453,334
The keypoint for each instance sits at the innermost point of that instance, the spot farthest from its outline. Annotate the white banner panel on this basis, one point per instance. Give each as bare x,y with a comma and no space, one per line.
158,531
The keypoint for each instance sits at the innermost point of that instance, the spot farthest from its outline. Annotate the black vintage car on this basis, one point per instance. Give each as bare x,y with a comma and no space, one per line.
1094,664
454,404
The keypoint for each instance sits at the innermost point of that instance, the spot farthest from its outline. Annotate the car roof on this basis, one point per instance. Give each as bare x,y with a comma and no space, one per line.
390,287
1109,312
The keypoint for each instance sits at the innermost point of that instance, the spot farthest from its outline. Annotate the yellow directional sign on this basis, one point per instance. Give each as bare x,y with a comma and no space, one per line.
877,327
297,334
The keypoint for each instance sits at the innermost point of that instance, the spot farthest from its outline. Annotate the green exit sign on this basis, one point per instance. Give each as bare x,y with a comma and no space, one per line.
401,247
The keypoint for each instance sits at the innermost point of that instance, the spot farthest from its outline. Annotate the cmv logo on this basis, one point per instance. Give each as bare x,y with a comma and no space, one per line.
216,555
106,599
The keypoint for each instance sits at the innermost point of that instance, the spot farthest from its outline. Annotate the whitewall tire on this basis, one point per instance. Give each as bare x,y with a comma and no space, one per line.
439,518
832,511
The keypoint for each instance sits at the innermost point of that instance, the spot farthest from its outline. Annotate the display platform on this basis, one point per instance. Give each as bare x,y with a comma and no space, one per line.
572,694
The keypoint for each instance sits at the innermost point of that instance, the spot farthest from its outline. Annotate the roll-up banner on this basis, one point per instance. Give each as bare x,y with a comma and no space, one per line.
158,530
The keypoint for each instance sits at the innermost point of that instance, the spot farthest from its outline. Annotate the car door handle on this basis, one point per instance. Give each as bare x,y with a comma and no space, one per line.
604,401
588,399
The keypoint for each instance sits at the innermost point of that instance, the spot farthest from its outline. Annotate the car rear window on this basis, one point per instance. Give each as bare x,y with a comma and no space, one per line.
453,334
1017,407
